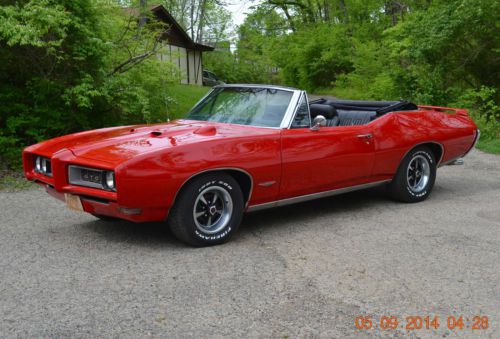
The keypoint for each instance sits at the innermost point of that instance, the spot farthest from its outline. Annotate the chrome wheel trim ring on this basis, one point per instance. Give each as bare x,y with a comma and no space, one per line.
212,210
418,173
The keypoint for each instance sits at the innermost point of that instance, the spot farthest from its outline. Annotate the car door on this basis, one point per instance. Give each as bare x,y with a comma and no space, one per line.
325,159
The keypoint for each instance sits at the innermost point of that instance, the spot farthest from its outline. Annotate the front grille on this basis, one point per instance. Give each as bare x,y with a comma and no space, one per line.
88,177
91,176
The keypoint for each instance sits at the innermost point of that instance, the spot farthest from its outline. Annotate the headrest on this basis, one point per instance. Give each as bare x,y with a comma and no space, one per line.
325,110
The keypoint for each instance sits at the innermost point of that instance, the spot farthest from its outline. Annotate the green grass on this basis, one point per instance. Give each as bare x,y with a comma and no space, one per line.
183,98
14,181
490,134
490,146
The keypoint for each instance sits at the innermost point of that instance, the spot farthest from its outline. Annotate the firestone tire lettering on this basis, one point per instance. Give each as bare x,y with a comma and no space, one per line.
181,220
399,187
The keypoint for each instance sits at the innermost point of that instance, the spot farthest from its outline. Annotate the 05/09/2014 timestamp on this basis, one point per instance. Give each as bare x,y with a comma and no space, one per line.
411,323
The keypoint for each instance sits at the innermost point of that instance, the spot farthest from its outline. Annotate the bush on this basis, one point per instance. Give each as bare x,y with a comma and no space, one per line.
63,68
313,57
486,115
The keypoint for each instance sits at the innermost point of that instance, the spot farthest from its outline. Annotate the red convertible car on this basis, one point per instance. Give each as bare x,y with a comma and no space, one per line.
246,148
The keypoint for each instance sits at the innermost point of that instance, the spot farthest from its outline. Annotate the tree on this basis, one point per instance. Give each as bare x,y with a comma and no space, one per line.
68,65
206,21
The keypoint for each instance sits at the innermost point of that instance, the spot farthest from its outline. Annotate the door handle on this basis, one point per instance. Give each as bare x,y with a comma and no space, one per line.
365,136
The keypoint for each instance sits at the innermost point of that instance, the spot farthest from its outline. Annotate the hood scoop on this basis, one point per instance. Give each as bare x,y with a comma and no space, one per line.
206,130
156,133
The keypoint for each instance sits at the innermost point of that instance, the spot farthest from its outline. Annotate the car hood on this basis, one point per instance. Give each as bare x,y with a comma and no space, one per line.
118,144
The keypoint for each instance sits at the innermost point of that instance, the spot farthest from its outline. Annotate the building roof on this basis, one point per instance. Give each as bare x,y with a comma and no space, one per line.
176,35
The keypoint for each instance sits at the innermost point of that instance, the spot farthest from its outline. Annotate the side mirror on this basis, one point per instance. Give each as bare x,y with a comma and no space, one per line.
318,122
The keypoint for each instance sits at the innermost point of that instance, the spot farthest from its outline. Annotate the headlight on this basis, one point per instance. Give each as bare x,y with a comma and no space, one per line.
110,180
38,164
43,166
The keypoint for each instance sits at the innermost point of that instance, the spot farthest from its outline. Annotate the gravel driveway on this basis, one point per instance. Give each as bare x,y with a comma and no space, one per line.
305,270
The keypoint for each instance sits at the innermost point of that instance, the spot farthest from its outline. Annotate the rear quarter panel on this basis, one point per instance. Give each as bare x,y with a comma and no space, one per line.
397,133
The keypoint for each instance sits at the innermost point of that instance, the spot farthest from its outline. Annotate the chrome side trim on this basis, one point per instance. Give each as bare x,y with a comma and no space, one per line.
267,183
218,169
313,196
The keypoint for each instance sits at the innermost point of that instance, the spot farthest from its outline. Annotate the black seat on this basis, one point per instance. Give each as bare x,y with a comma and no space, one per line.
352,118
329,112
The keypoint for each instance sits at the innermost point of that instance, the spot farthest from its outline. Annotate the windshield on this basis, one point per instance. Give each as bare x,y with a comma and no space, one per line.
243,106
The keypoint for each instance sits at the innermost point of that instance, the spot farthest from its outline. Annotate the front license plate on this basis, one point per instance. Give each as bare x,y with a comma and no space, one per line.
73,202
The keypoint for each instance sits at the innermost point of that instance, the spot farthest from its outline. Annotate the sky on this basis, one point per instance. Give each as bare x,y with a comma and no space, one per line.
239,9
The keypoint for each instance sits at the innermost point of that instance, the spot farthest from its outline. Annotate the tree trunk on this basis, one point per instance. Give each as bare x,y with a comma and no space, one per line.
289,18
143,13
326,10
191,23
201,21
343,8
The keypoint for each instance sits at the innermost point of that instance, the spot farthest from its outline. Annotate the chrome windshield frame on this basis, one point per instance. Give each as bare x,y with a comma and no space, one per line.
289,113
303,94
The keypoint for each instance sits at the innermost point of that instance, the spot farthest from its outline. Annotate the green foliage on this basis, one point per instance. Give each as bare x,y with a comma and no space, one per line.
450,47
69,65
250,63
204,20
32,23
314,57
486,114
370,78
440,52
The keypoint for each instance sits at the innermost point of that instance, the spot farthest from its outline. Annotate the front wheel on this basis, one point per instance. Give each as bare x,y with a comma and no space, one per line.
208,211
415,177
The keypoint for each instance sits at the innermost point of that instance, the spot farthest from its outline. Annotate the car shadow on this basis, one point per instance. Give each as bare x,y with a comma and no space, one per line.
150,233
304,212
158,234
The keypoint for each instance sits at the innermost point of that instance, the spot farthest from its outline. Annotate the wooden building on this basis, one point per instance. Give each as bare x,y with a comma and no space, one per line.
181,50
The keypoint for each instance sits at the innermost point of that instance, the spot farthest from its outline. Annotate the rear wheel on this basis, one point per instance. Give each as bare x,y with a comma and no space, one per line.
207,211
415,177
